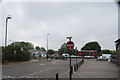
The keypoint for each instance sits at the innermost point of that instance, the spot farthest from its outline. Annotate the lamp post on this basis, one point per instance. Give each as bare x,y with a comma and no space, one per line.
47,45
8,17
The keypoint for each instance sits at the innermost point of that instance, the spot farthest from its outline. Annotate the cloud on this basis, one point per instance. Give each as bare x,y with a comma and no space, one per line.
84,21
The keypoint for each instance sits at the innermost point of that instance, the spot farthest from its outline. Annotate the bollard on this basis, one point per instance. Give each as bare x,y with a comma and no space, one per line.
71,70
70,78
56,76
79,64
83,60
74,67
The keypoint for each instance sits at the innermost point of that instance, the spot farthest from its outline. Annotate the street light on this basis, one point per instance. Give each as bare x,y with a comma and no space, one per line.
8,17
47,45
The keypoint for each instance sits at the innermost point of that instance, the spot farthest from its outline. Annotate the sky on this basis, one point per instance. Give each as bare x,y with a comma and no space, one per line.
83,21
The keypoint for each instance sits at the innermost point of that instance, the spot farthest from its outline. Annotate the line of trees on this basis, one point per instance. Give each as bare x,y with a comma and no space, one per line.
88,46
63,49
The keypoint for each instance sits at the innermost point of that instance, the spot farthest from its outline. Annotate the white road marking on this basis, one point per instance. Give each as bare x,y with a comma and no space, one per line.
42,64
36,73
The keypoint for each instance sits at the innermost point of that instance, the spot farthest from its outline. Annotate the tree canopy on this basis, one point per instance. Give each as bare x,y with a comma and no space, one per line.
37,48
17,51
43,49
24,45
108,51
63,49
50,51
92,46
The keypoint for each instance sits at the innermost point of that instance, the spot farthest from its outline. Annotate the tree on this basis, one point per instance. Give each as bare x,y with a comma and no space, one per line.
14,52
24,45
113,52
92,46
108,52
64,49
50,51
105,51
43,49
37,48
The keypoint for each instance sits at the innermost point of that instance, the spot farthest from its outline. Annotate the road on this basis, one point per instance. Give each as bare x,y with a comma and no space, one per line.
41,69
48,69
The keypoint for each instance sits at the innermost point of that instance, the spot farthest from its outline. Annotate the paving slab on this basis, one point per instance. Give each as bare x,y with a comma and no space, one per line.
96,69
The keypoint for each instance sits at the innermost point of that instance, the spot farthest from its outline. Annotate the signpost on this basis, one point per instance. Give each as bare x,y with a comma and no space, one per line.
70,45
14,55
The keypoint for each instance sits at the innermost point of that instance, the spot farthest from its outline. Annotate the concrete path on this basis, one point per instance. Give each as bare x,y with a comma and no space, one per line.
96,69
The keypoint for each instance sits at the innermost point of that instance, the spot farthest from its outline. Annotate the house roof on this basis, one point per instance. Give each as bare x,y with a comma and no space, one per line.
33,50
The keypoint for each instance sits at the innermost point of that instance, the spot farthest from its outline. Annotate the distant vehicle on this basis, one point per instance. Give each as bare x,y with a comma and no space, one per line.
107,55
102,58
65,54
88,53
113,56
89,57
59,57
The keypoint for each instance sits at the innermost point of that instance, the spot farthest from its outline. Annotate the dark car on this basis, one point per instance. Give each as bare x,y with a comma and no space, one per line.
59,57
113,56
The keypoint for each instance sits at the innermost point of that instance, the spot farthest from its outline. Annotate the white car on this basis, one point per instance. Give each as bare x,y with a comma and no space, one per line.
102,58
89,57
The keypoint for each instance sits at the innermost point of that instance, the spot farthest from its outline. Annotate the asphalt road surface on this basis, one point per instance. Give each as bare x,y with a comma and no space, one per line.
48,69
37,69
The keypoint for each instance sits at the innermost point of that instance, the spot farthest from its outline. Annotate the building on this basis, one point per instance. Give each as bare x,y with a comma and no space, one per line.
37,53
117,44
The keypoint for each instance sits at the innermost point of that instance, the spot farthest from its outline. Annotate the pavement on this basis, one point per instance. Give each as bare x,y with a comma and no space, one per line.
97,69
94,69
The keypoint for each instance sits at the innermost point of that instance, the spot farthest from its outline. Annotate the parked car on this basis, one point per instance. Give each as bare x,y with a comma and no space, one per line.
102,58
113,56
89,57
59,57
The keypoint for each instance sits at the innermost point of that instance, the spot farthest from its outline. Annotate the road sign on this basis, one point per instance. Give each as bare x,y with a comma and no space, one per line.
70,45
14,52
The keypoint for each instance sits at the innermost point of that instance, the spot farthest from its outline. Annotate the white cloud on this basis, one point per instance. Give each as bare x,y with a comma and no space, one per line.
83,21
59,0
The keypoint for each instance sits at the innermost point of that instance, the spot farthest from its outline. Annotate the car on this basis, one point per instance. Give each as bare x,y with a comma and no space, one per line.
113,56
89,57
59,57
102,58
